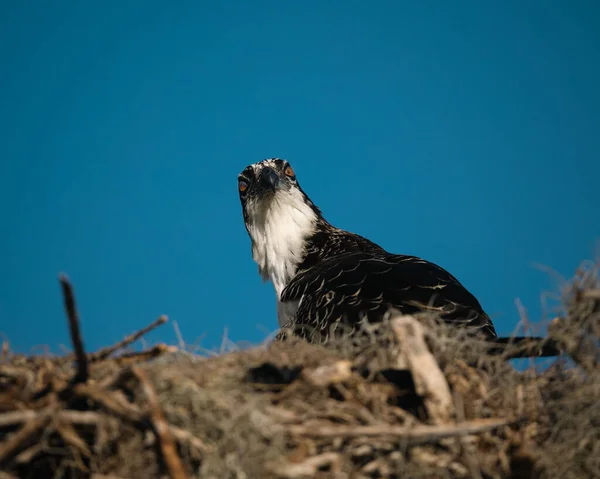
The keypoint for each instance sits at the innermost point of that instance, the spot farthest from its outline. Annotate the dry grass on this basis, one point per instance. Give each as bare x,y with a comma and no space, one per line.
351,409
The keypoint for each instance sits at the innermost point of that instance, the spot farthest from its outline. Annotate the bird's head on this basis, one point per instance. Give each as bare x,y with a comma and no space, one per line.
268,185
278,215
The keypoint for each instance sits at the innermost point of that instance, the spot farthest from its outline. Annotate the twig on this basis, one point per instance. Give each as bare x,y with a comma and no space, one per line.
82,418
27,455
25,377
411,435
106,352
20,438
519,347
328,374
145,355
309,467
161,428
70,436
180,340
71,309
184,436
591,294
17,417
112,401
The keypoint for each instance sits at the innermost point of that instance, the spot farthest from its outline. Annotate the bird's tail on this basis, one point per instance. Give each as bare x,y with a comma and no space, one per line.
524,347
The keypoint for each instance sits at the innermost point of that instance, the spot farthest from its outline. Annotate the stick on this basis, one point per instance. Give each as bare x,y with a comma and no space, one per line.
92,418
112,401
412,435
591,294
106,352
20,438
184,436
70,436
430,382
140,356
309,467
16,417
524,347
161,428
83,418
69,299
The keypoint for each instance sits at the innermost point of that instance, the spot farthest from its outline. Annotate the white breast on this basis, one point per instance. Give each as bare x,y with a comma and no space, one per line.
279,230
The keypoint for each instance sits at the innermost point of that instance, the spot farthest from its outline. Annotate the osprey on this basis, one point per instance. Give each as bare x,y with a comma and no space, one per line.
326,278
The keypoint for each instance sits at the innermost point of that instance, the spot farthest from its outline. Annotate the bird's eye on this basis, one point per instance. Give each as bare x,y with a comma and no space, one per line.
289,172
242,186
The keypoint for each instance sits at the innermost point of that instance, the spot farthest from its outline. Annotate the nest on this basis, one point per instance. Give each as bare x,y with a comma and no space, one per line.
409,398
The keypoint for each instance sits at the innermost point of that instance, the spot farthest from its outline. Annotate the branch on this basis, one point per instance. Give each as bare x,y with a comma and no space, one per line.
106,352
411,435
161,428
18,440
83,418
591,294
69,299
307,468
113,401
430,382
184,436
140,356
524,347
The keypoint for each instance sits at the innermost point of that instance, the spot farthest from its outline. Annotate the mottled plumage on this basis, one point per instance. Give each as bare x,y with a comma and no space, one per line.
326,277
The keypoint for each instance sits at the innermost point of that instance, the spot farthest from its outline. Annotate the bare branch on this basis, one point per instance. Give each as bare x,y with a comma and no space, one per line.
307,468
83,418
113,401
20,438
106,352
141,356
591,294
184,436
161,428
410,435
71,309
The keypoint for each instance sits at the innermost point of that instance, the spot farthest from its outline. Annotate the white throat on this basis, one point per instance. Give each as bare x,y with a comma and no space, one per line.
279,230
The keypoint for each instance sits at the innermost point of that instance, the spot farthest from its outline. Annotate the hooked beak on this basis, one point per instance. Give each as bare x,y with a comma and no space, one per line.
269,179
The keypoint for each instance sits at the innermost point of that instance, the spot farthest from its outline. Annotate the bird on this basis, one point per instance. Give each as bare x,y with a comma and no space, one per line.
327,279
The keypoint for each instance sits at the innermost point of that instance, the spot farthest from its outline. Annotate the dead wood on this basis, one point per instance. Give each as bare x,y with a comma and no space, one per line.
73,317
430,382
20,438
106,352
408,435
161,428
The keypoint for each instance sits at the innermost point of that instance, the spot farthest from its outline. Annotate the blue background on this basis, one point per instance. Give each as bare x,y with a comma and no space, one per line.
463,132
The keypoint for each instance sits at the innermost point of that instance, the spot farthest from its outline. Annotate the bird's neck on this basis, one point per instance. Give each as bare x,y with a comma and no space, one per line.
279,238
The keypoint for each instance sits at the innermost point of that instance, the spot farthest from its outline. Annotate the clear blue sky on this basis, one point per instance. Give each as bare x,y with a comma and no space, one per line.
463,132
